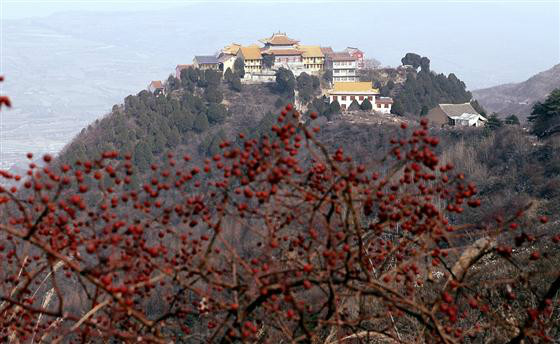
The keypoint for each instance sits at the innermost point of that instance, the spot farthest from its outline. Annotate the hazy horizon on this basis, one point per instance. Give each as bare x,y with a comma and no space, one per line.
486,43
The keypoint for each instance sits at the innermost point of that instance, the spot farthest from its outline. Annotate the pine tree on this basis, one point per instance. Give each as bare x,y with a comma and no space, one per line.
476,105
305,87
285,82
212,78
228,75
213,95
334,108
354,106
182,120
494,122
236,83
216,113
546,115
200,123
397,108
366,105
239,67
142,156
174,137
512,120
172,84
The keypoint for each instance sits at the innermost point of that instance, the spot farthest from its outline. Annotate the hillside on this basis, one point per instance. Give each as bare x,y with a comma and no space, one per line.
190,120
196,114
152,213
518,98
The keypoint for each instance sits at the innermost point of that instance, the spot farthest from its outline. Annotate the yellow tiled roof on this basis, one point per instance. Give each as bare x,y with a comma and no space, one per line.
231,49
251,52
311,50
279,38
364,86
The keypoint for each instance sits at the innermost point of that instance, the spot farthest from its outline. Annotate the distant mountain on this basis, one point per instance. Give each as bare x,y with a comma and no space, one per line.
518,98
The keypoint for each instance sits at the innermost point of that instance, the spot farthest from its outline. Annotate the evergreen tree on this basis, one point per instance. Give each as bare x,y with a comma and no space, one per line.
426,89
190,75
142,156
512,120
425,64
494,122
172,84
545,116
316,82
212,78
236,83
412,59
174,137
397,108
228,75
216,113
334,108
200,123
285,82
239,67
476,105
193,103
384,91
213,95
354,106
157,139
366,105
305,87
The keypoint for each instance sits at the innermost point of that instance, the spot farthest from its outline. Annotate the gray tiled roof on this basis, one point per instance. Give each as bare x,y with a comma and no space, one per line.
457,109
208,59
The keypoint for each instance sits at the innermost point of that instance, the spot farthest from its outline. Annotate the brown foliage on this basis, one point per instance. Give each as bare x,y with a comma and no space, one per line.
284,241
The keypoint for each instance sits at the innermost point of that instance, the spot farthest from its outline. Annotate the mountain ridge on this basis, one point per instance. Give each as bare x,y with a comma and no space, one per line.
518,98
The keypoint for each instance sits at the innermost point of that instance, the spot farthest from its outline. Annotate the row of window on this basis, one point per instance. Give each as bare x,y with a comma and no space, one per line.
287,59
379,106
344,71
344,63
343,78
360,98
370,98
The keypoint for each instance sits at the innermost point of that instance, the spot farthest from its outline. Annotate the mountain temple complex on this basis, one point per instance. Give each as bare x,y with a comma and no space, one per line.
262,61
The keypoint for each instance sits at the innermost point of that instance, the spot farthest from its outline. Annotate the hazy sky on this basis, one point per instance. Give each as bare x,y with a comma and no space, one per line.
484,42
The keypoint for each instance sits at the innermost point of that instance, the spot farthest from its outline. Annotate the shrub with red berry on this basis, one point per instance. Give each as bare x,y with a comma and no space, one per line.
275,240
